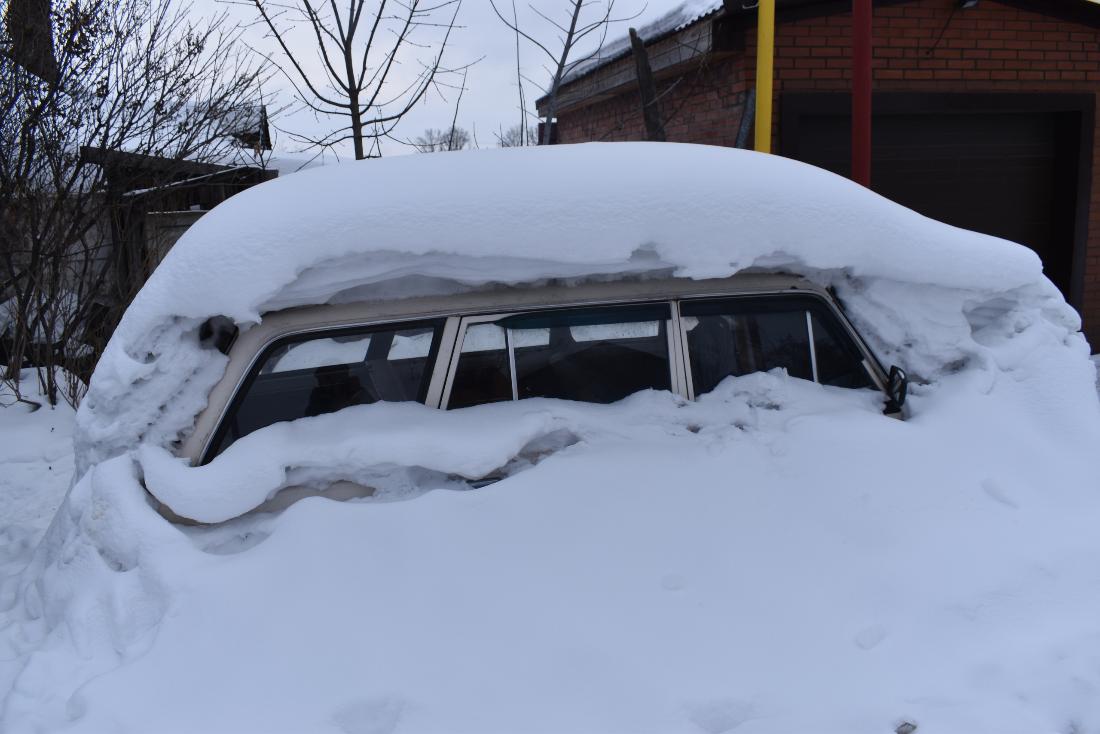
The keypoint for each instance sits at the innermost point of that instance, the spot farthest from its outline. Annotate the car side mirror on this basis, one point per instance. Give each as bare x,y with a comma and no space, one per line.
218,332
897,388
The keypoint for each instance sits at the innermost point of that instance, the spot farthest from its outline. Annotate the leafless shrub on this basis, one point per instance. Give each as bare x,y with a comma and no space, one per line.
139,92
433,141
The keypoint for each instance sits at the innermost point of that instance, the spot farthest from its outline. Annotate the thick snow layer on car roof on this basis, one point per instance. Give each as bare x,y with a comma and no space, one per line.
438,223
523,214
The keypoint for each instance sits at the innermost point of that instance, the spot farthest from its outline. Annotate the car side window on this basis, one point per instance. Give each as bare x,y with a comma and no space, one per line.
310,375
737,336
839,362
596,355
483,373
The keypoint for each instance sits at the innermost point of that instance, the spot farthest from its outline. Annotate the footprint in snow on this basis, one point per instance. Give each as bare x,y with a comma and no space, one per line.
720,715
369,716
997,493
672,582
870,637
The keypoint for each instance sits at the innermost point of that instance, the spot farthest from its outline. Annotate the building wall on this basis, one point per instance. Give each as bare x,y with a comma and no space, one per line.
919,46
702,104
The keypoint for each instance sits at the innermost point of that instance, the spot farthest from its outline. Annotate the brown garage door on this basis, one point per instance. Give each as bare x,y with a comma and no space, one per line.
1007,165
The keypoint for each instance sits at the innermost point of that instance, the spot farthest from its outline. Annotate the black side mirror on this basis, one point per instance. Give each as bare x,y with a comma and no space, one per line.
897,388
218,332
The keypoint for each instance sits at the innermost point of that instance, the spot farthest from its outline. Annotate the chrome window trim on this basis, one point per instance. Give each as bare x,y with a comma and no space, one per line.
685,360
443,356
813,348
460,339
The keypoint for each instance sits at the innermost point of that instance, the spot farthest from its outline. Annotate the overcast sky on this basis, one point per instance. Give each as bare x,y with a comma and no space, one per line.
490,101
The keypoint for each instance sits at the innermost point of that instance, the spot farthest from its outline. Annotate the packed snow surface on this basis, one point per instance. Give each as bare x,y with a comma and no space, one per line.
36,467
776,557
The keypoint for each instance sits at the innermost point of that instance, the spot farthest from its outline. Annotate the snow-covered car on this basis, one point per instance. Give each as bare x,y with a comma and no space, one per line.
719,528
595,342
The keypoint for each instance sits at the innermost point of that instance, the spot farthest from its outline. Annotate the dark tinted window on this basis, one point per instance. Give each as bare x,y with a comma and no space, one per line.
738,337
597,355
312,375
839,362
741,335
482,374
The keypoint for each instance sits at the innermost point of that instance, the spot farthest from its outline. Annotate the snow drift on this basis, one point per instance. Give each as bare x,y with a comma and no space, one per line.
776,557
437,224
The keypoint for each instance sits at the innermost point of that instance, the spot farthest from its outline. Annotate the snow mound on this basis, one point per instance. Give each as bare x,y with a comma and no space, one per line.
775,557
435,224
36,467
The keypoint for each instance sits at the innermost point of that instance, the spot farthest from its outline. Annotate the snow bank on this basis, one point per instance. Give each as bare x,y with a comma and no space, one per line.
433,224
36,467
776,557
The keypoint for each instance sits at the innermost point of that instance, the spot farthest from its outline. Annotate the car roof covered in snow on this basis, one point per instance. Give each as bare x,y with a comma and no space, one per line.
517,215
438,224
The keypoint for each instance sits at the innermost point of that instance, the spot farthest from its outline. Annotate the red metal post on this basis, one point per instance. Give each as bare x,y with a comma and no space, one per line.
861,92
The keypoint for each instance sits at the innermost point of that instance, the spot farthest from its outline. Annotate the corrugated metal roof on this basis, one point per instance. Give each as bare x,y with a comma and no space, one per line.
688,12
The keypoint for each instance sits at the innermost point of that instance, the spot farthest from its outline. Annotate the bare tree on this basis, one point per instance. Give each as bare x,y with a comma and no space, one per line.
517,136
136,94
366,79
581,22
433,141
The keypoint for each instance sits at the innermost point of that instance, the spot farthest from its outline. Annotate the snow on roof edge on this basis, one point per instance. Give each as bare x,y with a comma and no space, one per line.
688,13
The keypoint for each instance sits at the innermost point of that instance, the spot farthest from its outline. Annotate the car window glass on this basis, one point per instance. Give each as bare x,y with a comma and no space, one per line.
310,376
411,346
482,374
737,338
534,337
318,353
839,362
597,332
599,367
741,335
597,355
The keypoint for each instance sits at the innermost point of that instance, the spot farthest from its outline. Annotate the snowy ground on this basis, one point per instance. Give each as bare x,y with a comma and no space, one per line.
36,466
778,557
756,562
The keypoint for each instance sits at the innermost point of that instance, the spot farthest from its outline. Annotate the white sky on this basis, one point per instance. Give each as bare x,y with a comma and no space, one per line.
490,100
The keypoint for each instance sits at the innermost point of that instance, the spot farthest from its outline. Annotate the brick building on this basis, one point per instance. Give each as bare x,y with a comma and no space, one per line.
984,112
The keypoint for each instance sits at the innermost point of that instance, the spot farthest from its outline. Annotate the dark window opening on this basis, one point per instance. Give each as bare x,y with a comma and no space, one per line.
311,375
738,336
482,374
597,355
839,362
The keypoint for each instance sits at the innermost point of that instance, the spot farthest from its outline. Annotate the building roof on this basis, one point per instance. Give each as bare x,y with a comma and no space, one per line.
682,16
690,12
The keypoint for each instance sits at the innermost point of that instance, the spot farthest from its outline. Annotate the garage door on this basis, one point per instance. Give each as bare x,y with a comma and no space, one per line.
1001,166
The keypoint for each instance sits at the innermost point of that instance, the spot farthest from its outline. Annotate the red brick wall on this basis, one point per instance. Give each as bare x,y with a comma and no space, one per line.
988,48
702,106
